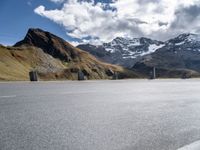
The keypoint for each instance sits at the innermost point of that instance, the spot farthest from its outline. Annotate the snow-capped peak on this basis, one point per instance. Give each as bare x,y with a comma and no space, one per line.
132,47
194,37
185,39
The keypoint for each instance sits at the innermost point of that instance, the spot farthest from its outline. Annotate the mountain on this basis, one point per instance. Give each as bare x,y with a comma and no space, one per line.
51,44
177,57
178,54
53,58
123,51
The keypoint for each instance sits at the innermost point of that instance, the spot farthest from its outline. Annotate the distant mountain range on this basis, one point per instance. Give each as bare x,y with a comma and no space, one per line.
53,58
123,51
176,57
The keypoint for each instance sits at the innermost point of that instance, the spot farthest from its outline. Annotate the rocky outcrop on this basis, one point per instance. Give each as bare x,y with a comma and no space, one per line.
50,44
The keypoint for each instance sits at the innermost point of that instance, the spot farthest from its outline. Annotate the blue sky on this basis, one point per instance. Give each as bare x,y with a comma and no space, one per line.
97,21
17,16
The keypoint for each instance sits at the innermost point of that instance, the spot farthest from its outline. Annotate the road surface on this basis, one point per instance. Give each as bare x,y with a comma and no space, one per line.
100,115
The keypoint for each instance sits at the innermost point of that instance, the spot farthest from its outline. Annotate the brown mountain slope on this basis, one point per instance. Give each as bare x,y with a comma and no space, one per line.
53,58
50,44
15,63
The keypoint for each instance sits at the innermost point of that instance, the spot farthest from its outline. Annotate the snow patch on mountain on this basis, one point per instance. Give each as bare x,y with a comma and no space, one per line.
154,47
194,37
185,39
180,43
132,48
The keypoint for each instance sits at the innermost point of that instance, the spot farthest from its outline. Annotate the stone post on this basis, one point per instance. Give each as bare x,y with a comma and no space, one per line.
33,76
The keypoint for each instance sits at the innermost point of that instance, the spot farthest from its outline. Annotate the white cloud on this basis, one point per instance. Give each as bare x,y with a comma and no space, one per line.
83,19
57,1
75,43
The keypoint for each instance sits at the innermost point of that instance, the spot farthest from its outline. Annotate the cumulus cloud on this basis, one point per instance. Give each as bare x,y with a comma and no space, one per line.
90,21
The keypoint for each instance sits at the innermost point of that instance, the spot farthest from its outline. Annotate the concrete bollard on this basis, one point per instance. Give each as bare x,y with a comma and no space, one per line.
33,76
115,76
153,73
81,75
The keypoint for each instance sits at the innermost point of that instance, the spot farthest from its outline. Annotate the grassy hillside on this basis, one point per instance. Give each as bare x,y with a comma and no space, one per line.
16,62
